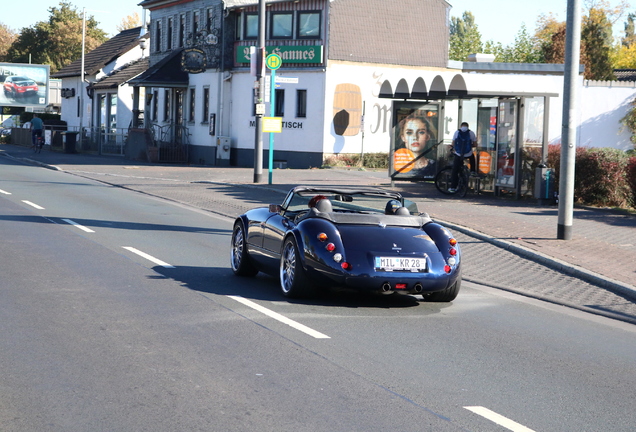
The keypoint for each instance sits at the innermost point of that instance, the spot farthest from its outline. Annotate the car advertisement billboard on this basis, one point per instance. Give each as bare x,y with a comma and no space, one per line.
414,142
24,85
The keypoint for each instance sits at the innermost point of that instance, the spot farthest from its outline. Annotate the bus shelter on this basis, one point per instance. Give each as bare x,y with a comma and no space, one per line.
511,130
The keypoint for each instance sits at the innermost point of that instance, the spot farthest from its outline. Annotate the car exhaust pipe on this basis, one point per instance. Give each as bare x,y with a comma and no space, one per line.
418,288
386,288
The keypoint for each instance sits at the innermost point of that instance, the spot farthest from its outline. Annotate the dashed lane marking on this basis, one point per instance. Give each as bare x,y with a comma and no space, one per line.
33,204
5,192
499,419
298,326
148,257
75,224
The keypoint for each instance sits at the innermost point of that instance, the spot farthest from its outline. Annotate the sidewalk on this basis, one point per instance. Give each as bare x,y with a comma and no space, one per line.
602,250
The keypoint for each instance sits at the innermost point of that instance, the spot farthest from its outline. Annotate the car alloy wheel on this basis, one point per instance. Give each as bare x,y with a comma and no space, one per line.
293,281
239,259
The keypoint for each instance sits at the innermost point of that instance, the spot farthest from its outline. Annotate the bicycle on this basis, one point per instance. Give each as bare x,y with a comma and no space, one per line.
39,143
443,181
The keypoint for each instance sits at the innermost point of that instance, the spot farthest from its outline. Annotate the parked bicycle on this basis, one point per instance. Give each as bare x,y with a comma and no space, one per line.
443,181
39,143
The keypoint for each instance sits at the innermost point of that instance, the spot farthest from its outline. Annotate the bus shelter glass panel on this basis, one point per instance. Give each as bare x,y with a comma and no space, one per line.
486,131
414,141
532,143
506,143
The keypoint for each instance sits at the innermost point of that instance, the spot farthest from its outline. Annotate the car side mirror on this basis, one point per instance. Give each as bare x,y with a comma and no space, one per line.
274,208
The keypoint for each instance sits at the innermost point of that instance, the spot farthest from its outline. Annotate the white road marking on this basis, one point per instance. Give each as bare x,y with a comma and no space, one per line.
148,257
82,227
5,192
33,204
281,318
499,419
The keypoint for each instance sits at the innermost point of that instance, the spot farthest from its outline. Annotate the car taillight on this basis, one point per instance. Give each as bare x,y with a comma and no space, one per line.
452,251
400,286
345,266
452,242
322,237
447,268
330,247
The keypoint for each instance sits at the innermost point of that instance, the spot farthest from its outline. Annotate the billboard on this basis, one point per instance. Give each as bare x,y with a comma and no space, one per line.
24,85
414,142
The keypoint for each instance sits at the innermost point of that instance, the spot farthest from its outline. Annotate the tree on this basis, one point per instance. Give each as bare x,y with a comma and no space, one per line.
57,42
128,22
596,34
7,36
524,50
465,38
630,37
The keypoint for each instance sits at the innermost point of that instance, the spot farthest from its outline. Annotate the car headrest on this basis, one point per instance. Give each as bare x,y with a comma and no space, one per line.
402,211
324,206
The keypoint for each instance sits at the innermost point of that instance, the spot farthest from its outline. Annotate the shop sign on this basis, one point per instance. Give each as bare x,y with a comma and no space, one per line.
193,60
288,54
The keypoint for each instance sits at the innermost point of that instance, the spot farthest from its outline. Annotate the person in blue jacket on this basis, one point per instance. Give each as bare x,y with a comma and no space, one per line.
463,142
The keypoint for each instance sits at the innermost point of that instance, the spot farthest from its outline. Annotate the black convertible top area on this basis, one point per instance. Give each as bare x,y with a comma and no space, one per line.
347,191
370,219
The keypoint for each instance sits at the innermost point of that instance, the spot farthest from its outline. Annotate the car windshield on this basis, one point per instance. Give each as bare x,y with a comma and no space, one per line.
367,202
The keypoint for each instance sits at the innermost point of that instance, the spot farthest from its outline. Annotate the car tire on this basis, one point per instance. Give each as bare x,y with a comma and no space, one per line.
239,258
447,295
293,280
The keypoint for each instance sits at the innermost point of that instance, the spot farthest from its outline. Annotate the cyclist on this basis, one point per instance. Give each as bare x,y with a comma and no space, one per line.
462,147
36,129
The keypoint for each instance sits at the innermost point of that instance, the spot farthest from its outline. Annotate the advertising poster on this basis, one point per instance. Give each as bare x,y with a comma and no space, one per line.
24,85
506,144
413,153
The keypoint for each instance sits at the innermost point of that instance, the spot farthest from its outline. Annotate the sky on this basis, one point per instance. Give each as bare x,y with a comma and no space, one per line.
497,20
108,14
501,20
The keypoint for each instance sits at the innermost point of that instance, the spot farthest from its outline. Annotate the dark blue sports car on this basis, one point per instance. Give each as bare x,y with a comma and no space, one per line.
363,238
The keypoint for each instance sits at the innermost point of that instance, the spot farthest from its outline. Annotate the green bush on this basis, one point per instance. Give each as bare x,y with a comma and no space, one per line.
369,160
376,160
631,178
600,176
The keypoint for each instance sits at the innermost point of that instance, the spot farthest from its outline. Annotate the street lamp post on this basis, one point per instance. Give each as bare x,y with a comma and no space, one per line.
260,106
81,89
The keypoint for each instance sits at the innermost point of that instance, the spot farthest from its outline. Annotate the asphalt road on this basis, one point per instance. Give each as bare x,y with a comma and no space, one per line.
118,312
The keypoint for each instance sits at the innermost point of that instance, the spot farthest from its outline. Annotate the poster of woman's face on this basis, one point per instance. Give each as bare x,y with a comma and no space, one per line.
414,139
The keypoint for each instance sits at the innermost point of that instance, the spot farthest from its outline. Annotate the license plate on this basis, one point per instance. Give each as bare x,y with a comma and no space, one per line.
400,264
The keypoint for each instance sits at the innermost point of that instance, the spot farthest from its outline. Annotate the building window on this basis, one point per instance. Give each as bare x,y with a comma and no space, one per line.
195,23
206,104
208,23
192,105
182,29
155,106
301,103
166,105
281,25
309,25
158,36
251,26
169,34
280,103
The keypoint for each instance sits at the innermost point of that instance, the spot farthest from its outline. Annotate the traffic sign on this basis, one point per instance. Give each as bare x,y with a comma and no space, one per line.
273,61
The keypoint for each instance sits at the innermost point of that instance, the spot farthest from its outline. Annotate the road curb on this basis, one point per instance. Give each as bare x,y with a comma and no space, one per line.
550,262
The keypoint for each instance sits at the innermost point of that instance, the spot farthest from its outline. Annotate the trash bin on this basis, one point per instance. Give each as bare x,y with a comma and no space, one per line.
544,184
69,140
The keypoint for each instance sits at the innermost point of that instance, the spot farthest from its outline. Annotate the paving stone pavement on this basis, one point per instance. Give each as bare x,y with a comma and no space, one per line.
497,235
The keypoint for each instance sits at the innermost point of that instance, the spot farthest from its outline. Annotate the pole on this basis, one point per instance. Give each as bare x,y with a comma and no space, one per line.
81,88
568,134
272,112
258,144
